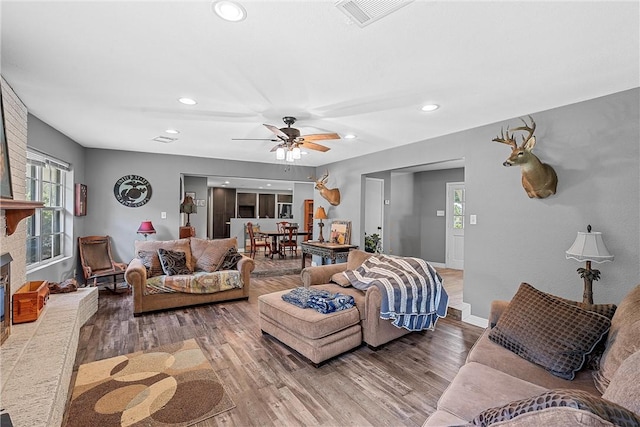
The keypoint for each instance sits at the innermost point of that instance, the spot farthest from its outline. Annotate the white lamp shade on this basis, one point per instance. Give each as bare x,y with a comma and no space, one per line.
280,153
296,153
289,156
589,247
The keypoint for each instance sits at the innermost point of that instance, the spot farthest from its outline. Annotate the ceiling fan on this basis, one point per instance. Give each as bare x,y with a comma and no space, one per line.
290,138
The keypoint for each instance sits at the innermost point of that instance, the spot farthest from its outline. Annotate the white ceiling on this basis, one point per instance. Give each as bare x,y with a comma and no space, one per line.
108,73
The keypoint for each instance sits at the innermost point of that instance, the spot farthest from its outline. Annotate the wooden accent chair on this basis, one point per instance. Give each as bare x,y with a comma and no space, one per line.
290,240
257,241
97,261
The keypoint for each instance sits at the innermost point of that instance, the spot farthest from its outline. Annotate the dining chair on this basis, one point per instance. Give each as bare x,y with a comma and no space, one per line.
257,240
290,240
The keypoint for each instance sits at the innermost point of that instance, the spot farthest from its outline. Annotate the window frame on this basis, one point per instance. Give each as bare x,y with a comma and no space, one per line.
49,184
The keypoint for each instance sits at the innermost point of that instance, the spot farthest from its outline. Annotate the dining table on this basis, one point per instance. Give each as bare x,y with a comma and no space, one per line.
275,235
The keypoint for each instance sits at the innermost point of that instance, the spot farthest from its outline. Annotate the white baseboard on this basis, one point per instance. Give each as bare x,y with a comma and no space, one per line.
476,320
437,264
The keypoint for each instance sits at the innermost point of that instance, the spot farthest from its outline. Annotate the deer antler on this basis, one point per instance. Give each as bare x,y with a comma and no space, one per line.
506,140
531,129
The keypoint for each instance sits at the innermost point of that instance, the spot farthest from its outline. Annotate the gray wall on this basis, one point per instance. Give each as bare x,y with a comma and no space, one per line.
48,140
198,185
431,195
594,147
404,217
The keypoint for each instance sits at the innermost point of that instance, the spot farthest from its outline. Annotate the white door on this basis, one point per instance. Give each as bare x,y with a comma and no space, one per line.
455,225
374,206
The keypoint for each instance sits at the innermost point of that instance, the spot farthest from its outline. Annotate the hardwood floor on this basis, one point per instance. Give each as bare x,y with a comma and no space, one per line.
272,384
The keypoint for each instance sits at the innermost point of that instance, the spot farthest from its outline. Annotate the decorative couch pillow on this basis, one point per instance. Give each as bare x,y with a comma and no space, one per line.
569,398
230,260
151,262
209,254
153,246
546,331
173,262
607,310
622,341
341,279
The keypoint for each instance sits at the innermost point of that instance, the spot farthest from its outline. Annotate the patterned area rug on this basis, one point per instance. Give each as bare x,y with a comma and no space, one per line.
172,385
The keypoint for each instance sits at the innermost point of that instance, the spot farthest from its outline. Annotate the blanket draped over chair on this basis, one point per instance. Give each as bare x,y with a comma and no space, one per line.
412,292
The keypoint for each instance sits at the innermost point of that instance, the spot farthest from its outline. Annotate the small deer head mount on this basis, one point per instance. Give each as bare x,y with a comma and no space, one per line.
538,179
332,195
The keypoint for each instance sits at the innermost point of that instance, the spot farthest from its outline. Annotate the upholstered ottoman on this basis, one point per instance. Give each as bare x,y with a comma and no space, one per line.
316,336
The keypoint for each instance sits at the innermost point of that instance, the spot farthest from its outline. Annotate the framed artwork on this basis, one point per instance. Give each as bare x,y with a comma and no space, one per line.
200,203
80,200
340,232
6,191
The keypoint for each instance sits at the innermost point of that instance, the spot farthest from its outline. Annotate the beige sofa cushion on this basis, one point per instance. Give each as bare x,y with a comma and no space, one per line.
549,332
624,388
477,387
152,246
209,254
356,257
623,340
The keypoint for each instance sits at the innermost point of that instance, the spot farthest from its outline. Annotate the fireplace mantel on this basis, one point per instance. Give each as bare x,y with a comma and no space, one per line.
16,211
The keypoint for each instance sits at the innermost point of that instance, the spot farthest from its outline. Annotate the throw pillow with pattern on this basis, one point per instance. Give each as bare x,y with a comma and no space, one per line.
230,260
570,398
549,332
151,262
173,262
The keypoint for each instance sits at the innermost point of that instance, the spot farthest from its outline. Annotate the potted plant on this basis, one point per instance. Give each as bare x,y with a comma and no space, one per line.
372,243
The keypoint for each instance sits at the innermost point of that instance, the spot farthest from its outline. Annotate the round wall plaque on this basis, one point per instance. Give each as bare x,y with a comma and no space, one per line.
132,191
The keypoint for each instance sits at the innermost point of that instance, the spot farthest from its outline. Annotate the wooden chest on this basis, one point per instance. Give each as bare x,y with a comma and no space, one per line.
29,301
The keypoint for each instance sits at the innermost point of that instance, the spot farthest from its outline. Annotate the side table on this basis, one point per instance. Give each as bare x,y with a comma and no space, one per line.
331,251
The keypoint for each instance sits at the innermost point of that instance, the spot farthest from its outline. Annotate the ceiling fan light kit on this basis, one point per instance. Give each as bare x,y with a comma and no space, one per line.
292,142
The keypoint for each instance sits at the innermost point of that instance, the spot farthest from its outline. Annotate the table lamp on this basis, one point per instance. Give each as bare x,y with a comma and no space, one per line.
589,247
187,206
146,228
320,214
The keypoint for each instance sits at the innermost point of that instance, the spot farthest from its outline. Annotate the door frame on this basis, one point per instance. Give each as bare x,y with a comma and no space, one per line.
448,219
381,230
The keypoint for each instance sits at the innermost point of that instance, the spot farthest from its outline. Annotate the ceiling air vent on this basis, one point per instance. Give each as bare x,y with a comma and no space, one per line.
364,12
164,139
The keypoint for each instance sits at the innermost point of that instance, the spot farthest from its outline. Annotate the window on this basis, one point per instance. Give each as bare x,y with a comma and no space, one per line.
458,208
45,182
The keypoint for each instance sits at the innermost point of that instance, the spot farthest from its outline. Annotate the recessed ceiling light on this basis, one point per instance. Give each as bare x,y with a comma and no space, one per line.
430,107
268,185
350,136
304,153
172,131
188,101
229,10
226,182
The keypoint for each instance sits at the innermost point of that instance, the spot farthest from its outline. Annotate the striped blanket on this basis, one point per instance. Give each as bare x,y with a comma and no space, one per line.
412,292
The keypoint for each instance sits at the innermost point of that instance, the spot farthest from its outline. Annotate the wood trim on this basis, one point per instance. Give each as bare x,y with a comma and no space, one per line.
16,211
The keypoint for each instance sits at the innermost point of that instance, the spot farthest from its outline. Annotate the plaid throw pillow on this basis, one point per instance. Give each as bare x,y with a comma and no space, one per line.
577,399
551,333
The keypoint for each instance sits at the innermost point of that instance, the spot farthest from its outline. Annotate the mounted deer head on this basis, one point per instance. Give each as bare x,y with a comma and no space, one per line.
538,179
332,195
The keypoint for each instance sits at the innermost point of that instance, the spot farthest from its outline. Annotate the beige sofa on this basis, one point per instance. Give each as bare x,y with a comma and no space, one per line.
201,255
494,377
375,331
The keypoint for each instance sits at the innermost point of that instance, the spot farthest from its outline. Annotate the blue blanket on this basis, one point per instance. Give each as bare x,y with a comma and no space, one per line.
412,292
318,299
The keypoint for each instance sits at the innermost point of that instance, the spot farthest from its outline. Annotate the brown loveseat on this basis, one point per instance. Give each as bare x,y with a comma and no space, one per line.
498,387
375,331
201,255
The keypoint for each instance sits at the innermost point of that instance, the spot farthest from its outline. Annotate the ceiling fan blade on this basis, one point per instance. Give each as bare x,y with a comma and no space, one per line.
320,137
277,132
254,139
313,146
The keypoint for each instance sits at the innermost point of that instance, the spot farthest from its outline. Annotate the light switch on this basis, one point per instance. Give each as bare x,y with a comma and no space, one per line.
439,213
163,215
473,219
